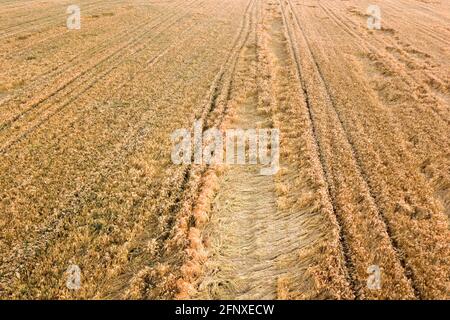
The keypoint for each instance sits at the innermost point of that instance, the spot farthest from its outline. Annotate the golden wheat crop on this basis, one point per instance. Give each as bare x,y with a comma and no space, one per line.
86,177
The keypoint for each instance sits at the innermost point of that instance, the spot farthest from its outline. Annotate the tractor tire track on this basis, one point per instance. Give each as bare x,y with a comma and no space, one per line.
212,116
78,198
294,53
78,59
397,226
442,115
56,226
47,21
358,271
129,44
8,142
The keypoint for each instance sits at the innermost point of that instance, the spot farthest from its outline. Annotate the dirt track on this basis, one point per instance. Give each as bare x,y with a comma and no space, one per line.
86,176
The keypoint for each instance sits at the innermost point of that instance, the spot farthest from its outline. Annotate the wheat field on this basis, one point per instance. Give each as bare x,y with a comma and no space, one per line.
87,179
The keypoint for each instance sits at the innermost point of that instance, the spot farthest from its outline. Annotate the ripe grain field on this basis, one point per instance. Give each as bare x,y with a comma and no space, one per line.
362,175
